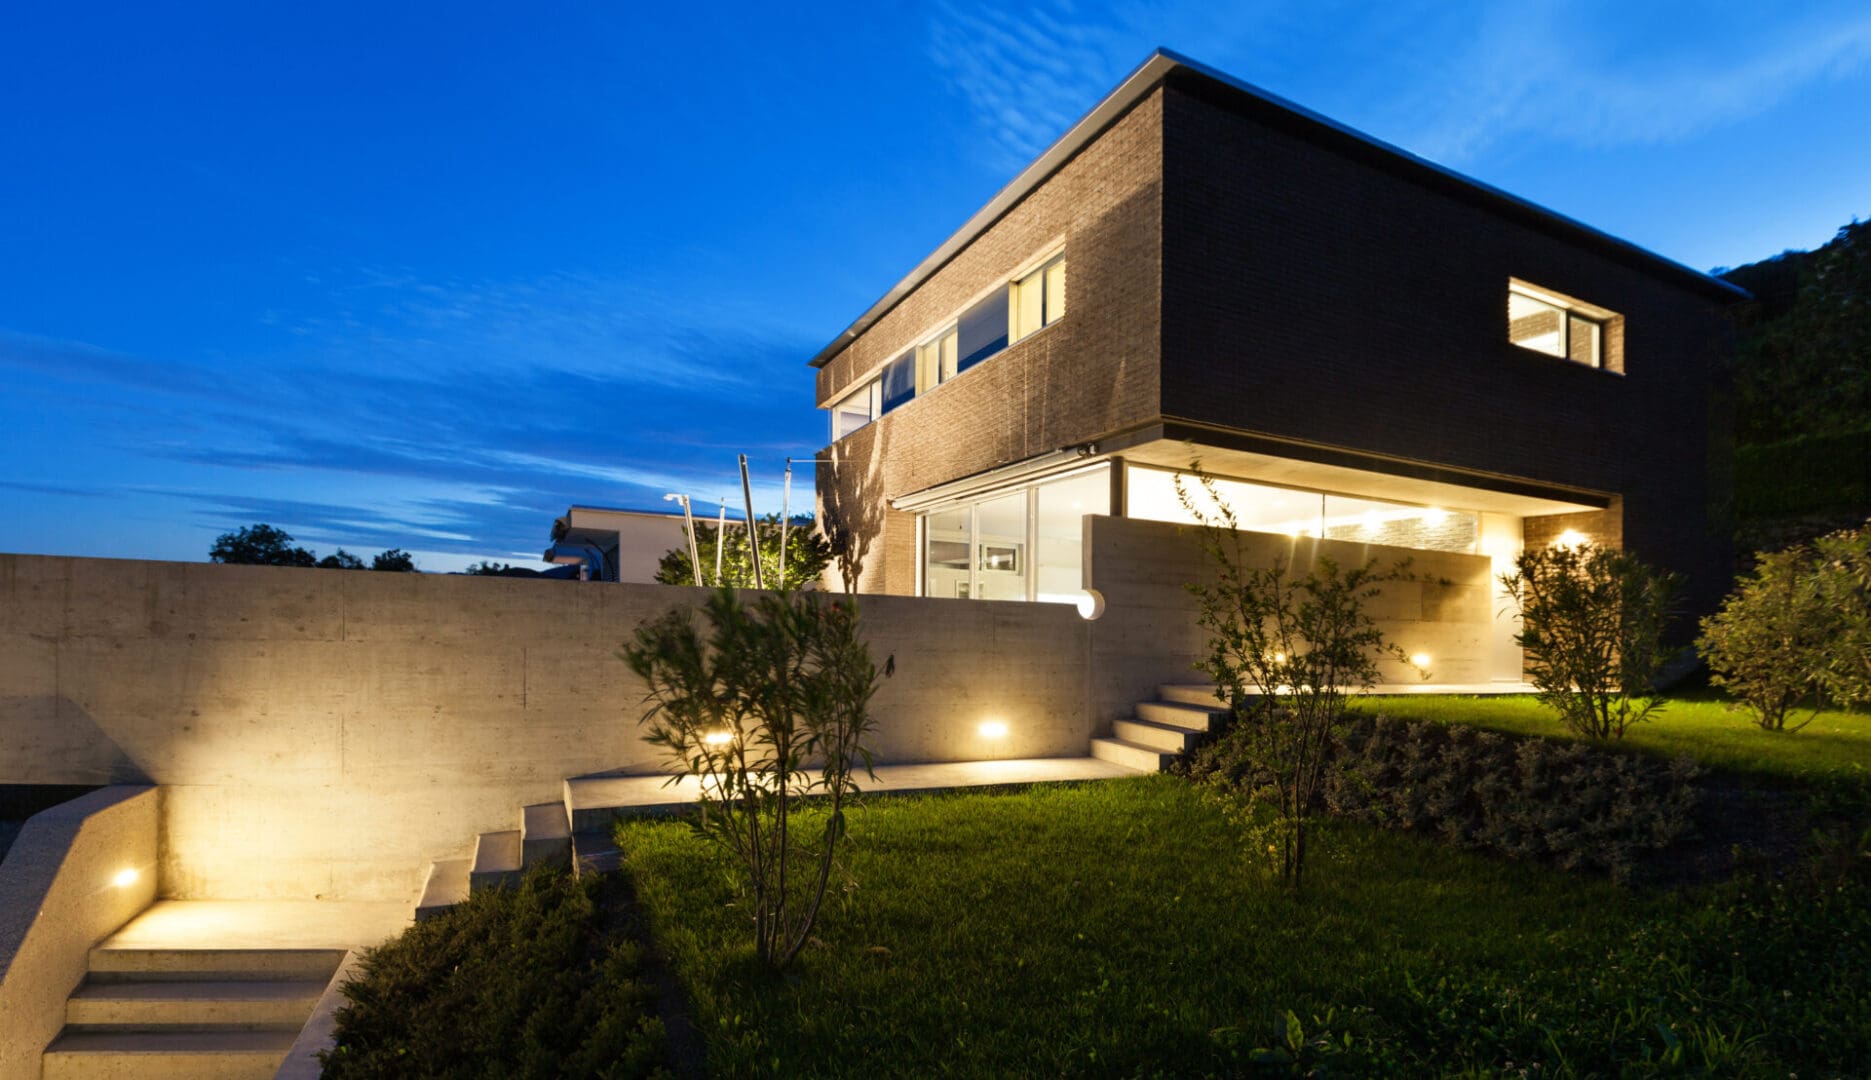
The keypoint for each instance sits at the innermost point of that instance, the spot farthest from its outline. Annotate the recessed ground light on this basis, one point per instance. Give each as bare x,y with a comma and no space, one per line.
718,738
1420,659
993,729
125,877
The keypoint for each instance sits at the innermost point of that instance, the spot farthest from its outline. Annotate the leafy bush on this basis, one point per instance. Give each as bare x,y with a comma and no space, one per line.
744,710
1300,639
1591,626
1570,804
537,981
1770,642
808,553
1845,586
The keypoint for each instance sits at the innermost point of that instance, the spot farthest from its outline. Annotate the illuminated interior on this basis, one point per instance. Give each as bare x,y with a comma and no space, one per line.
1022,543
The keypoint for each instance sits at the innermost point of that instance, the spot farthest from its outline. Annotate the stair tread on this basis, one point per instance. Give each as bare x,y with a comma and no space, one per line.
545,821
201,990
172,1042
206,963
497,852
446,886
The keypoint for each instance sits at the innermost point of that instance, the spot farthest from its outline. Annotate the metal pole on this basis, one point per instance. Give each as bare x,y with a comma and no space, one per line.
786,508
721,532
688,526
753,543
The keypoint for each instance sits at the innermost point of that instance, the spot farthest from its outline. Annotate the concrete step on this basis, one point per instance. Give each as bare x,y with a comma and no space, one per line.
496,860
545,835
1130,755
596,801
447,885
1170,740
1202,694
108,965
185,1055
1180,715
228,1005
595,852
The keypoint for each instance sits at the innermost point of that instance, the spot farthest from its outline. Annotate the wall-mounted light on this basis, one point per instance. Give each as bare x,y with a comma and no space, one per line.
1571,538
126,877
1419,660
1435,515
718,738
992,729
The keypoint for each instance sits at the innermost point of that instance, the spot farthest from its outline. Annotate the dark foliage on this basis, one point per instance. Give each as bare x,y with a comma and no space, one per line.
259,545
395,560
538,981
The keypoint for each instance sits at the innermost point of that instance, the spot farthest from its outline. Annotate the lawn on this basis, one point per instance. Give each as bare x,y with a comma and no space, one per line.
1835,746
1122,928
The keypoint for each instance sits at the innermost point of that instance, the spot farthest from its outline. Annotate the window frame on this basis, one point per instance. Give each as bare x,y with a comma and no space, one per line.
1603,323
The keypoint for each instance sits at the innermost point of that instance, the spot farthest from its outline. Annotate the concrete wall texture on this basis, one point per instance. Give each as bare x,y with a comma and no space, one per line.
323,734
59,897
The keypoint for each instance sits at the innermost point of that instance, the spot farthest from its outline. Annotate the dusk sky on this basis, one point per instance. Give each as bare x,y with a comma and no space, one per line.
425,275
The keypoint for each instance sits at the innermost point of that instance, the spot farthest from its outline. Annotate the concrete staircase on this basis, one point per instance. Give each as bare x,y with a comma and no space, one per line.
544,837
202,1014
1163,730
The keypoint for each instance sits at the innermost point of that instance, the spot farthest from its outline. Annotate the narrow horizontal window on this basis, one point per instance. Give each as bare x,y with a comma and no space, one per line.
1036,300
1555,326
981,331
899,382
857,409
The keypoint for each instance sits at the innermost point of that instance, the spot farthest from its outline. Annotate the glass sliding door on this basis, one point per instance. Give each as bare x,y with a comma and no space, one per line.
1058,533
1020,544
948,544
1001,548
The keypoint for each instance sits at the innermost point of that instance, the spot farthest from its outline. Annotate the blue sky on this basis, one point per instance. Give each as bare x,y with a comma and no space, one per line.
424,275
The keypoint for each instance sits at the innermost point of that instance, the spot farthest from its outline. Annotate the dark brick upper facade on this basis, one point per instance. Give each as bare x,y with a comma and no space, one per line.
1238,268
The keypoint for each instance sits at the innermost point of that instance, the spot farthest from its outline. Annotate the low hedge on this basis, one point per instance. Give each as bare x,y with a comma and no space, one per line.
535,981
1574,805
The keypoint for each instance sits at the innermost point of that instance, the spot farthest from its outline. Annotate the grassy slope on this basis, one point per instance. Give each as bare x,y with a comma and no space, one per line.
1835,746
1119,929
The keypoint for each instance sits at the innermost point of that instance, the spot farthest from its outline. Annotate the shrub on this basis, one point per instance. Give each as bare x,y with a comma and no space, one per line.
1770,642
808,553
1570,804
1591,625
744,711
1299,639
537,981
1845,585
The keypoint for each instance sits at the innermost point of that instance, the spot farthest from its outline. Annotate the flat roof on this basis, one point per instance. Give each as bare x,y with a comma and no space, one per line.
1162,64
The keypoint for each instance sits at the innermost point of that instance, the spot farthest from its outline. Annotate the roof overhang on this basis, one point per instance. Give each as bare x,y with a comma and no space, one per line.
1162,65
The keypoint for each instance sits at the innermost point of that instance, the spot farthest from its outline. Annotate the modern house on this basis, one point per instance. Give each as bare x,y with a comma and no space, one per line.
1360,344
615,545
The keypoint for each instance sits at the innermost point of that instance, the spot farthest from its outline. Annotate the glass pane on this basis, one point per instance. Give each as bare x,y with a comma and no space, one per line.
1256,507
1582,340
1058,526
1028,305
1374,521
948,369
982,330
1535,324
1055,291
851,414
946,553
1000,548
899,381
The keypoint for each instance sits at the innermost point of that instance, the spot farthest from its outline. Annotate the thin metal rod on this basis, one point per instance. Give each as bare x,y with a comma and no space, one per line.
721,532
688,526
786,508
753,542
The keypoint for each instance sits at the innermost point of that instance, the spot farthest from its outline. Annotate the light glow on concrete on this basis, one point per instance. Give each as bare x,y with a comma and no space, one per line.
1419,660
126,877
718,738
1570,539
993,729
262,924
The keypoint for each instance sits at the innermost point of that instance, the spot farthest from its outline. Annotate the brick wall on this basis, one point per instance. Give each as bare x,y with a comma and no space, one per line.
1092,372
1311,296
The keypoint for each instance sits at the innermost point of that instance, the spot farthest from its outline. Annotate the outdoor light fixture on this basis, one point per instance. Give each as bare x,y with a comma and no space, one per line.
1571,538
718,738
1420,660
1435,515
125,877
993,729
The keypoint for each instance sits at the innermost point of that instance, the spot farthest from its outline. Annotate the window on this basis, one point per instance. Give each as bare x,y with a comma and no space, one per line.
858,408
937,360
899,382
1554,325
982,330
1036,300
1023,544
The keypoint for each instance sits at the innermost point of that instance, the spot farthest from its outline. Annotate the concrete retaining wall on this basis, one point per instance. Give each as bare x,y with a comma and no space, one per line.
324,733
59,895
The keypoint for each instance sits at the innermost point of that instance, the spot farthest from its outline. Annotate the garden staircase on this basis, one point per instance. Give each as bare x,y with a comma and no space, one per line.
200,1014
1163,730
544,837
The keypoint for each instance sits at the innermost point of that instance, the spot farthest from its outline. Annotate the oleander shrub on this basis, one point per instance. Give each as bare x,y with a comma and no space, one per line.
538,981
1770,643
1845,583
1573,805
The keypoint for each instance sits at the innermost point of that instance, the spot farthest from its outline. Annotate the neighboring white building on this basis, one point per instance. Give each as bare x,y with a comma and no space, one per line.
615,545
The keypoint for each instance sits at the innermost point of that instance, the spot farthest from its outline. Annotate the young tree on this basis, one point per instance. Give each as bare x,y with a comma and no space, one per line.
1770,642
259,545
342,560
1591,624
767,708
807,556
1293,644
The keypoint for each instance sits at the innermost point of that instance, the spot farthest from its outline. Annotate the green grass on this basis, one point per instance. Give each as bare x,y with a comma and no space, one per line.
1122,929
1835,746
